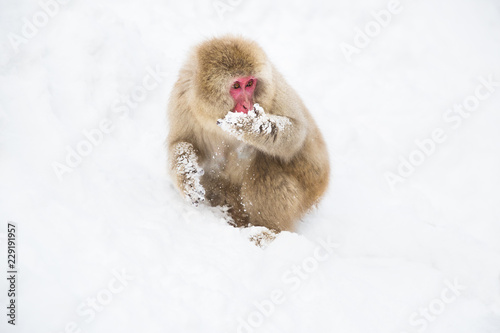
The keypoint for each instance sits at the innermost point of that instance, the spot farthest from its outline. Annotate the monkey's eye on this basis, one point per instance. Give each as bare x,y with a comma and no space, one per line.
236,85
249,84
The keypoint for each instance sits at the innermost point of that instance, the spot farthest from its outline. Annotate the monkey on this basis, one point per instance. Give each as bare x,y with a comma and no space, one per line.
241,137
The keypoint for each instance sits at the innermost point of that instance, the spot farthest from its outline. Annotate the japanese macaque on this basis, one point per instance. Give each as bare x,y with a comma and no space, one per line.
241,137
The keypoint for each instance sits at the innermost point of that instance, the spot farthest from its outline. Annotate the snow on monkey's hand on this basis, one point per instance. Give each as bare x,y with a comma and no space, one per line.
255,122
189,173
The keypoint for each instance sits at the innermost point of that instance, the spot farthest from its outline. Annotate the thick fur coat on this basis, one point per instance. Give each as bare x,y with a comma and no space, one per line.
267,179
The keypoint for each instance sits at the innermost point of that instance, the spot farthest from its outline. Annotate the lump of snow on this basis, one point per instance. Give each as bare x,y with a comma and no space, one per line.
255,121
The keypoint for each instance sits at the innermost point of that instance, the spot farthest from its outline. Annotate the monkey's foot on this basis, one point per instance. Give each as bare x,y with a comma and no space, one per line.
261,236
190,173
256,121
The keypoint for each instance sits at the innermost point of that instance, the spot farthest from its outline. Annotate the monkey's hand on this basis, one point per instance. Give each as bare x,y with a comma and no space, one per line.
256,123
189,173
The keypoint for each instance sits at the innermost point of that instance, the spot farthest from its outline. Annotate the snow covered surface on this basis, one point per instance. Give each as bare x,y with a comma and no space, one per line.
106,244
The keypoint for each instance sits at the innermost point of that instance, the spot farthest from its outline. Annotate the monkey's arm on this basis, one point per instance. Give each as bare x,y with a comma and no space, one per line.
275,135
187,172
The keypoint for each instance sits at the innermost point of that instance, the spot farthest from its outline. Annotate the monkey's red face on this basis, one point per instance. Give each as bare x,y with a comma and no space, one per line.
242,93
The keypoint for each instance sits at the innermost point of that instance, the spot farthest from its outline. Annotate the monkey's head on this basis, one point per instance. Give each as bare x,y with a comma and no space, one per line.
232,74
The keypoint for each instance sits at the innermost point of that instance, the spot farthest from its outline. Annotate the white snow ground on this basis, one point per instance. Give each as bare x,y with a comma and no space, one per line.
422,257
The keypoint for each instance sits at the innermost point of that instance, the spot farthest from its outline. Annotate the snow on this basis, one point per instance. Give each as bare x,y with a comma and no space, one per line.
106,244
186,165
255,121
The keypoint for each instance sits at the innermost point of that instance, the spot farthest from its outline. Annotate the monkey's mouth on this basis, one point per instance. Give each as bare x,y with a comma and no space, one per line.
243,107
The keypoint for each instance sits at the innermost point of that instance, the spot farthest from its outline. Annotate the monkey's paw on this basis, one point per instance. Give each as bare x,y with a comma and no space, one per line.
190,173
261,236
256,121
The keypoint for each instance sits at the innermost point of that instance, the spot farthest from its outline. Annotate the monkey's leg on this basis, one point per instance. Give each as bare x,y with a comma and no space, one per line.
273,198
220,192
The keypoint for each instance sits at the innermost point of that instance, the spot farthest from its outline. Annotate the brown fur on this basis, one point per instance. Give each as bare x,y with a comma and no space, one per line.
266,182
